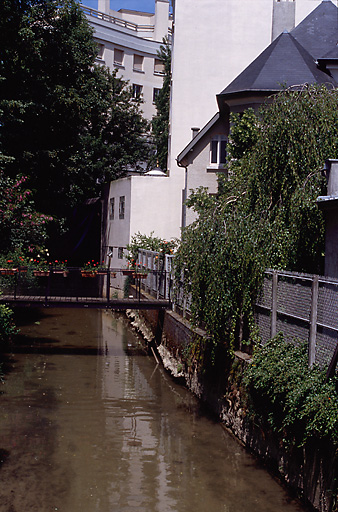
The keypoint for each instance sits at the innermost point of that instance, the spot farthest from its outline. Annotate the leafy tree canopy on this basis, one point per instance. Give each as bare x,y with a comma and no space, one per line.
160,122
265,214
67,124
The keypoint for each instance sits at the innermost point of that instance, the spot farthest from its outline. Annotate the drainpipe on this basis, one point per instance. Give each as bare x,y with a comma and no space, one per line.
184,194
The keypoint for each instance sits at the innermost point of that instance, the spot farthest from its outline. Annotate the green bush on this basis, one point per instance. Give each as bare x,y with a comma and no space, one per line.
7,326
293,400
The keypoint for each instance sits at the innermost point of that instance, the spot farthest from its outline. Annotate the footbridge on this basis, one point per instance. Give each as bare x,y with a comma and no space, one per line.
76,288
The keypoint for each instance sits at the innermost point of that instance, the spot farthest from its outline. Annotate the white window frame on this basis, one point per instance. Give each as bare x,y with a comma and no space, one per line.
137,91
216,163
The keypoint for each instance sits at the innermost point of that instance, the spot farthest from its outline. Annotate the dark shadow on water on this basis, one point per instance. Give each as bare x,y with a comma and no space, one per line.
21,339
29,316
59,350
4,454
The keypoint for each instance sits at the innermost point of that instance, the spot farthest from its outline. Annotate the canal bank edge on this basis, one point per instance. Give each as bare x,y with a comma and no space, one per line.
310,471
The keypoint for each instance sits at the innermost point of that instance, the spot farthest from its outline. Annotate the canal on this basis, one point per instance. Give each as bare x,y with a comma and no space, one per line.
90,423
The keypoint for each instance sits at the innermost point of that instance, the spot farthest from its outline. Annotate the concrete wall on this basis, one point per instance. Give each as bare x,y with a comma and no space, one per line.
143,208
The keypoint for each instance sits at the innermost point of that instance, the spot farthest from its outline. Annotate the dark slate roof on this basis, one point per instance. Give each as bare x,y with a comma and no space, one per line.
332,54
283,63
318,32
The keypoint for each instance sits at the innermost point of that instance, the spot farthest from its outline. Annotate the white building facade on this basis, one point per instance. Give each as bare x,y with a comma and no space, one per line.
129,42
213,41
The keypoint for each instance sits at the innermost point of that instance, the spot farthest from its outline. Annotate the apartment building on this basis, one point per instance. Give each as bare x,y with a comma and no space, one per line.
128,41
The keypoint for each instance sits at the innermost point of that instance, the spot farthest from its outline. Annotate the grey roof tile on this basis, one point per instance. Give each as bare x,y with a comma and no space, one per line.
283,63
318,32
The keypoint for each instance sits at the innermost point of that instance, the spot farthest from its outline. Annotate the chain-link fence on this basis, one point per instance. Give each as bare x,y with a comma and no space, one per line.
303,307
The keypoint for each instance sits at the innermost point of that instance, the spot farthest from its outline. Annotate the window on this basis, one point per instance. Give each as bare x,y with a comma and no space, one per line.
156,92
122,207
120,253
138,63
137,90
118,57
100,50
112,208
218,150
158,67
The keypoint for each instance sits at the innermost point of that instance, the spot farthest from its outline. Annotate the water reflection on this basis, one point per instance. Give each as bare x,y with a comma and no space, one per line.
90,423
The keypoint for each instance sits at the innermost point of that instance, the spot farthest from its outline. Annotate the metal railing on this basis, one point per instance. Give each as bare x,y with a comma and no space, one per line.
74,285
117,21
302,307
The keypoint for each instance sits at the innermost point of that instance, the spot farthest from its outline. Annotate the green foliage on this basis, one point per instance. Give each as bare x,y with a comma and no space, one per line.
7,328
149,243
265,214
22,229
160,122
222,258
66,123
243,134
291,399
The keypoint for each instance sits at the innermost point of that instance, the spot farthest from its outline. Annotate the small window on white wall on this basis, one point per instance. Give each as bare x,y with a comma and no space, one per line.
112,208
122,207
137,91
138,63
118,57
158,67
120,253
156,92
218,150
100,51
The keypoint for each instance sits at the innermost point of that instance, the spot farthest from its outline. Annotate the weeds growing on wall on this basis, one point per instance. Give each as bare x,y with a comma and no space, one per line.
288,397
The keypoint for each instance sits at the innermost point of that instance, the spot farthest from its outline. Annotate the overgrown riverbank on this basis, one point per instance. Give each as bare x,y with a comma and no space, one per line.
282,411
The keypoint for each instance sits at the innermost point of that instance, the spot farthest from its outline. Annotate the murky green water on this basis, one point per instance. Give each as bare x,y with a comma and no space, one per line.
89,423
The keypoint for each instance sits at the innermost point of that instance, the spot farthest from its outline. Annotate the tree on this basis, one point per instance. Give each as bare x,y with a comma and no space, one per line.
160,122
265,215
22,229
69,124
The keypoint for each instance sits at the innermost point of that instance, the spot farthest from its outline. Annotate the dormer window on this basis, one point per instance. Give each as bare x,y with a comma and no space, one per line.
218,146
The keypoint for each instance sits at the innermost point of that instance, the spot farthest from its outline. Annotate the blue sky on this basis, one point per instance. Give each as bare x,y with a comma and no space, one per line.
136,5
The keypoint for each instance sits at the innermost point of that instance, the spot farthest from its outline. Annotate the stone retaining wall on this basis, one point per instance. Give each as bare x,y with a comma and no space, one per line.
310,472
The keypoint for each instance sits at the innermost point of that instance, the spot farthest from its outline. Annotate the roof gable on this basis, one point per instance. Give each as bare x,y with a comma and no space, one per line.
318,32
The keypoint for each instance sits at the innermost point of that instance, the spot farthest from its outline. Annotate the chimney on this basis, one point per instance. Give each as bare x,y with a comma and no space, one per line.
161,19
103,6
283,17
194,132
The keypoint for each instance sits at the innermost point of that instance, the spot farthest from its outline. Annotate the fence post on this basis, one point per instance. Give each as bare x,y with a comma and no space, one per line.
274,304
313,322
